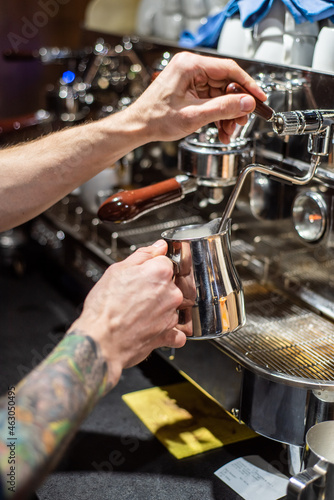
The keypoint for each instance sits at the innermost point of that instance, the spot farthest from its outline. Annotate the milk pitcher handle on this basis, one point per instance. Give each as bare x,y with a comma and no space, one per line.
299,485
175,260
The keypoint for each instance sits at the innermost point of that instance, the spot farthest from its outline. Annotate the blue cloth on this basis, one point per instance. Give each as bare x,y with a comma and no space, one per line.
310,10
208,34
251,12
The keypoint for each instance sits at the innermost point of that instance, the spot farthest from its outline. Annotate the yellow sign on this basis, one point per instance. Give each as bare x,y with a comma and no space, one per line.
185,420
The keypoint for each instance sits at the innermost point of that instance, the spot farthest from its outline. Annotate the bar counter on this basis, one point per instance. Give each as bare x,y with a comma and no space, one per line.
114,455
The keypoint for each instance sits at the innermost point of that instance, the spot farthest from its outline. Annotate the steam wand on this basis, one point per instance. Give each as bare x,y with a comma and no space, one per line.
262,169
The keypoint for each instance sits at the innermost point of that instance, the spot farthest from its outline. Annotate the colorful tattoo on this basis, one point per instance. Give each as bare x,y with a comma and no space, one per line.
39,417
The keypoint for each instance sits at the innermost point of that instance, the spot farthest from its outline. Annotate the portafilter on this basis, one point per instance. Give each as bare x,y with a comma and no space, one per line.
204,162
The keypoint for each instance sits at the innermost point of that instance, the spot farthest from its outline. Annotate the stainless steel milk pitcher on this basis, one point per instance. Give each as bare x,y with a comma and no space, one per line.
205,273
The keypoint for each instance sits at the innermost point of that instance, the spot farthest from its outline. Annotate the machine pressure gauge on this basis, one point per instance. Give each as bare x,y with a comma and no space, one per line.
309,214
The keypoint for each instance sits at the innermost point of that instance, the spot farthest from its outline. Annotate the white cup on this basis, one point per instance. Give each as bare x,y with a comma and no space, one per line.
299,49
194,8
272,24
323,57
193,23
145,16
168,26
172,7
271,50
235,40
305,29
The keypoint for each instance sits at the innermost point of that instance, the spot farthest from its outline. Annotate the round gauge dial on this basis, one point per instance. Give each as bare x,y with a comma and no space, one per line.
310,216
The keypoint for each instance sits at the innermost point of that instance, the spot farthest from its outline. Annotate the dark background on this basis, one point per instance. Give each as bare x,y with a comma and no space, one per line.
22,83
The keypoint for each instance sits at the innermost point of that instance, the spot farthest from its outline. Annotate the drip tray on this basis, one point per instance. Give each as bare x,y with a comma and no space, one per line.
282,340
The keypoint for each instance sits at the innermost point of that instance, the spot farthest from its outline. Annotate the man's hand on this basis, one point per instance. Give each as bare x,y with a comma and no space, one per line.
133,309
190,93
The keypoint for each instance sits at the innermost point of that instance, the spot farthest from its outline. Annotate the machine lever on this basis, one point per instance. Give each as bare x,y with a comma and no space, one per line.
261,109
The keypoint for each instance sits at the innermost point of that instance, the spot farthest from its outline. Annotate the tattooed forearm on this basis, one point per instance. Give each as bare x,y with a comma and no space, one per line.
50,404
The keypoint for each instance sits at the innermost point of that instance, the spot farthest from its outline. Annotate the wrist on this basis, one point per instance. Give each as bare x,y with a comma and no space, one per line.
129,127
111,369
86,359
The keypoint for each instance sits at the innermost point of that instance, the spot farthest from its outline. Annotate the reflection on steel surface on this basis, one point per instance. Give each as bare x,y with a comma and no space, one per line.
283,337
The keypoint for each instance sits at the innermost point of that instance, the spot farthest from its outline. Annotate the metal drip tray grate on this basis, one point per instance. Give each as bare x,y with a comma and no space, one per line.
307,273
146,235
282,338
125,238
304,267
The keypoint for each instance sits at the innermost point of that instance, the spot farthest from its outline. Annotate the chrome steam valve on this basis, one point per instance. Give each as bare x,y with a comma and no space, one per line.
315,122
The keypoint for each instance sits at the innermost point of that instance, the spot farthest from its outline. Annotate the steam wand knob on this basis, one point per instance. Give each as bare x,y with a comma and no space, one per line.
317,123
261,109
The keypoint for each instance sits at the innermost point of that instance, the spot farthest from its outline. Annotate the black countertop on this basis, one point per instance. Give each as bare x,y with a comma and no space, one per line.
113,456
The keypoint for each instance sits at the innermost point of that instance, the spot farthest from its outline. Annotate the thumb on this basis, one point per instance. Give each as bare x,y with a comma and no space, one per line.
146,253
227,107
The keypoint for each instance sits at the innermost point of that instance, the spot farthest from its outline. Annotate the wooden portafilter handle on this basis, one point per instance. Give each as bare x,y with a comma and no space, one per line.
261,109
128,205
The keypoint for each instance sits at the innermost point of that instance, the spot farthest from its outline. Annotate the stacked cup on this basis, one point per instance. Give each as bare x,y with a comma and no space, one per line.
235,40
323,57
281,40
195,14
168,21
299,41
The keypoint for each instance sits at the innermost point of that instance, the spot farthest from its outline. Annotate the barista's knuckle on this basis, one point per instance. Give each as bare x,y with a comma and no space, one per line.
164,268
178,296
160,269
113,269
169,272
181,58
230,64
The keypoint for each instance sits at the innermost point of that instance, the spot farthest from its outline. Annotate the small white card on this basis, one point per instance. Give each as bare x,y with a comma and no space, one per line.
253,478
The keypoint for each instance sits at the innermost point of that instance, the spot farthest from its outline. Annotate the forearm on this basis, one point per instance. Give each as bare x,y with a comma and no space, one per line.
188,94
48,407
35,175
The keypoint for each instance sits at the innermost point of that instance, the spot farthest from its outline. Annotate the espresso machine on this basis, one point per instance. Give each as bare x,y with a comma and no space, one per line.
276,373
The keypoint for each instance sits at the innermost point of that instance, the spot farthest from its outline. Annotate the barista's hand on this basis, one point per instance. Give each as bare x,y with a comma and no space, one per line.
133,309
190,93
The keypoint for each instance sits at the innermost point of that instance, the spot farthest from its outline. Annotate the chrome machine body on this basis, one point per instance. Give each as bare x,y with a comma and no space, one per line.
276,373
